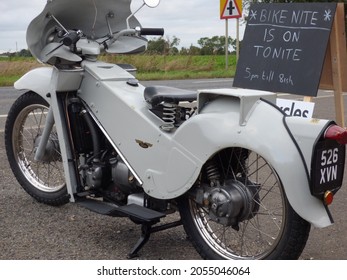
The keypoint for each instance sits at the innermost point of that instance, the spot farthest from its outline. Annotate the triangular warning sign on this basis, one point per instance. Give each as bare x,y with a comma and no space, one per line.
230,9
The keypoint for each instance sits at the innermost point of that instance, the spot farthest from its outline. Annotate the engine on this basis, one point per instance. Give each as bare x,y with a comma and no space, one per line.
102,171
114,172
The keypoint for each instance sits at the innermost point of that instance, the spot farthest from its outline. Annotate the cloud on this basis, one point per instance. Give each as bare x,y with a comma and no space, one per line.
16,14
15,17
187,20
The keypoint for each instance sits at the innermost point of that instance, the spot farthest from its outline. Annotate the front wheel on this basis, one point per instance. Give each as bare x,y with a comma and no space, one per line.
238,210
44,180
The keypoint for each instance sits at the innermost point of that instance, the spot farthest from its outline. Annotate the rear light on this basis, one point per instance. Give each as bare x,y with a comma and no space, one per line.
337,133
328,197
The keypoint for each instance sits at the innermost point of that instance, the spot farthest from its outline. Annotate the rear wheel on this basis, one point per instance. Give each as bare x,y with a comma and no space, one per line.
44,180
239,210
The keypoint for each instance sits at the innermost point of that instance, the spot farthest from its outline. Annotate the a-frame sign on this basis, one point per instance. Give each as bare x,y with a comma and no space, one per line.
230,9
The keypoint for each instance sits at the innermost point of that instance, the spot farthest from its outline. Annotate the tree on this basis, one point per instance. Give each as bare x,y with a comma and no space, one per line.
214,45
163,46
206,45
156,46
193,50
172,44
233,45
24,53
184,51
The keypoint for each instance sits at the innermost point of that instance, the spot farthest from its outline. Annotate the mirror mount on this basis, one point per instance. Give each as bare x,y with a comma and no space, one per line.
151,3
148,3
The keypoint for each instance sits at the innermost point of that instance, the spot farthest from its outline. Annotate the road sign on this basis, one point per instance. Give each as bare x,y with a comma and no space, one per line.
230,9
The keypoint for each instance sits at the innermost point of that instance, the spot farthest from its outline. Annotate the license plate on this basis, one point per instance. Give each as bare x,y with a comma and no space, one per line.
327,167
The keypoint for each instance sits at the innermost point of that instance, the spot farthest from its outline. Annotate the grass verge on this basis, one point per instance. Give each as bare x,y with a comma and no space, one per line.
154,67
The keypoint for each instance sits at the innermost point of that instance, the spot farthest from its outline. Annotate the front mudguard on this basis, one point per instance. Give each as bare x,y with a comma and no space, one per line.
225,122
45,80
37,80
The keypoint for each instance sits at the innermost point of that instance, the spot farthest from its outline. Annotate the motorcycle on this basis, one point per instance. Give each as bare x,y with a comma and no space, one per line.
245,180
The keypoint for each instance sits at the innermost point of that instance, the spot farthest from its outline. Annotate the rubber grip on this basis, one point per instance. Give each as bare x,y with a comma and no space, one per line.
71,38
152,31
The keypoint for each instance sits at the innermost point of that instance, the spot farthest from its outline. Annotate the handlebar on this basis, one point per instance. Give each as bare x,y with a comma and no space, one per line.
152,31
138,30
72,38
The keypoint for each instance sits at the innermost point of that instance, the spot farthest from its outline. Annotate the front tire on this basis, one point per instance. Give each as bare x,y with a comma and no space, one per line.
273,230
43,180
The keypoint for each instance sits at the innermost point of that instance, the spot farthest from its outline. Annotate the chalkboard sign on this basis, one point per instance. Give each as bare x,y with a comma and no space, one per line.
284,47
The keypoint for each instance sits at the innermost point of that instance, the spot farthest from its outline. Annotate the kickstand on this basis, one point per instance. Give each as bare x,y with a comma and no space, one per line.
145,234
146,230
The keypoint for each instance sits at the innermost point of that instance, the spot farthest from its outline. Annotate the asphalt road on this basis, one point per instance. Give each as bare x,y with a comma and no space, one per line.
29,230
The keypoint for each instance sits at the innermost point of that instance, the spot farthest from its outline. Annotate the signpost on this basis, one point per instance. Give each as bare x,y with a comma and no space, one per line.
231,9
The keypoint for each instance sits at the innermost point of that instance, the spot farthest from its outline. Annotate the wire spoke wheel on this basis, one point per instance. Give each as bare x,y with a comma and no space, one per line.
261,233
43,179
47,175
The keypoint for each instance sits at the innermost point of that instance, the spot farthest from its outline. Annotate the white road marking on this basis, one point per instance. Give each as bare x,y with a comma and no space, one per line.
210,81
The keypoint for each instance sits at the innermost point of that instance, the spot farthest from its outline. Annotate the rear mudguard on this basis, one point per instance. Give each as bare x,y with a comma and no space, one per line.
285,142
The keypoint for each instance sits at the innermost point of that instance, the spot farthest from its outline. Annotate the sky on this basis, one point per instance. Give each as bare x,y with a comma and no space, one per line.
188,20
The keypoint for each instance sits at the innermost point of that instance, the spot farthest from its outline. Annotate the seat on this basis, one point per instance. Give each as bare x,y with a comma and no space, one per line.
157,94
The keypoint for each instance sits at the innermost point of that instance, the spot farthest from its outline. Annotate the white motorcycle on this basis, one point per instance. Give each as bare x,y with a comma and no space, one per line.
247,180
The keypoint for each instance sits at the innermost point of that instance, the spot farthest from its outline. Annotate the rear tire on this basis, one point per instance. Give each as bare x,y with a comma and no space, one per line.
272,231
43,180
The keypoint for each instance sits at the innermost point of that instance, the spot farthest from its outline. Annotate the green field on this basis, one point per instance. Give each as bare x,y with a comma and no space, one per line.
149,67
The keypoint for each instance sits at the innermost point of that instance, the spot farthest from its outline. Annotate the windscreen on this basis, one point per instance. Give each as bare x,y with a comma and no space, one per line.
93,17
